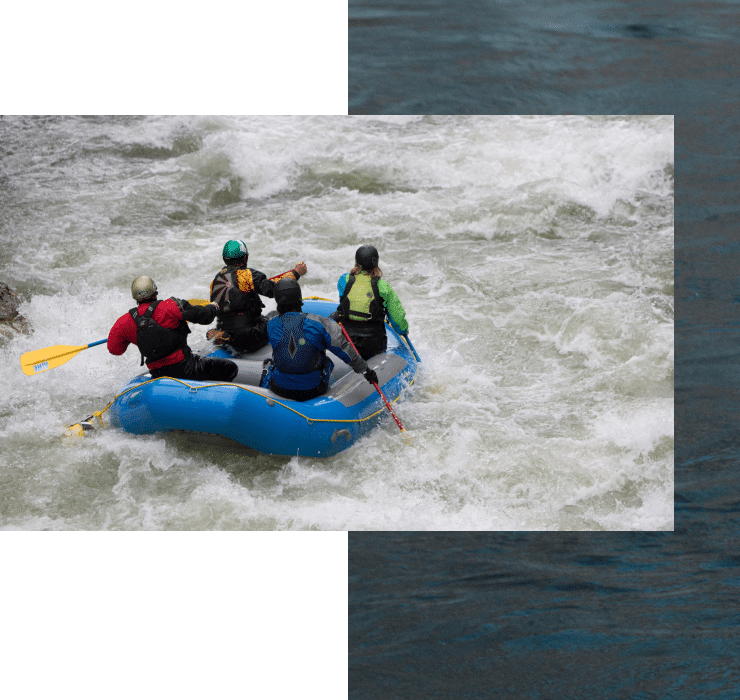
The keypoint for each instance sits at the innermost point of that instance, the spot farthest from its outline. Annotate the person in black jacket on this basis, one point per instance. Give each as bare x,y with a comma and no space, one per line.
237,289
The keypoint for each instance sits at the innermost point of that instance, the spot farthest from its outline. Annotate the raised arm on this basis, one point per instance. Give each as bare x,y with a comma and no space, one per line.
198,314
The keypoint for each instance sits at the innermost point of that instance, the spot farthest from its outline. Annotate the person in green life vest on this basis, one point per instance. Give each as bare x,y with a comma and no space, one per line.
365,300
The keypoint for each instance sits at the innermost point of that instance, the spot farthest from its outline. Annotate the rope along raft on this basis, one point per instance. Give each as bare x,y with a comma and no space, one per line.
78,427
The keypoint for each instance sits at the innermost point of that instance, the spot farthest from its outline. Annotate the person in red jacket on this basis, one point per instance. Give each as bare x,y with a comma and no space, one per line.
160,330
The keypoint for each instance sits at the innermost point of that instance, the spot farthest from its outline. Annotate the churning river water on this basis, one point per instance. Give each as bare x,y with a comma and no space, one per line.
533,255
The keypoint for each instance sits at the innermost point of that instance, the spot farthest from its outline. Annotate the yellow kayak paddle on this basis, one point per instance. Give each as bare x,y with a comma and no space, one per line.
48,358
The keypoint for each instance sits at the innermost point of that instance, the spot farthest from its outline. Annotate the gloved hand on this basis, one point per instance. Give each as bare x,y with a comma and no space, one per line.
371,376
301,268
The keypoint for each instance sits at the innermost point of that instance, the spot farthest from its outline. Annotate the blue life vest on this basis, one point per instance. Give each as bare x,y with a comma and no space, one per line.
298,364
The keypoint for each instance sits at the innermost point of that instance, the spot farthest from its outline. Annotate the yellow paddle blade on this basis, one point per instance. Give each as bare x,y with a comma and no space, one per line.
199,302
79,430
48,358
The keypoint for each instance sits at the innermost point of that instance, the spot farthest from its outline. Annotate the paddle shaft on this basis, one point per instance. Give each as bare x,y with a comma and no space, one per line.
408,342
280,275
388,406
375,384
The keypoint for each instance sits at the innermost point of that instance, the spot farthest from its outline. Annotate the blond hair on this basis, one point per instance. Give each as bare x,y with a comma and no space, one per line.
375,272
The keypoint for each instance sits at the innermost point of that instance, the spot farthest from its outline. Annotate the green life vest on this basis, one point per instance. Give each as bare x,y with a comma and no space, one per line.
361,300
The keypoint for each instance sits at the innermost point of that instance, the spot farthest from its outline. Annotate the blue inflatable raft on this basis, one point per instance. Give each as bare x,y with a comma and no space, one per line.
261,420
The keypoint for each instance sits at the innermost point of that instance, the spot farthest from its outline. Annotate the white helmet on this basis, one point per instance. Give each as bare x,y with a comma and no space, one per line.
142,288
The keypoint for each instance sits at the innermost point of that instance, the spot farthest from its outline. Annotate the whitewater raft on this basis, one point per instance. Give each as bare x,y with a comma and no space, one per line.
258,418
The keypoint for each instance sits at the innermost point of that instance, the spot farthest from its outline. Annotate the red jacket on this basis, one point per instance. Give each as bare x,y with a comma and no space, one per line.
167,314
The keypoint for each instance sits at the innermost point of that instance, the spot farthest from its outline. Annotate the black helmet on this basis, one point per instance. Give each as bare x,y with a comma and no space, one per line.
367,257
288,292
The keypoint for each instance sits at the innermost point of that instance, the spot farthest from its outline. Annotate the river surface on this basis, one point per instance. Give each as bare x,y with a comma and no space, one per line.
543,615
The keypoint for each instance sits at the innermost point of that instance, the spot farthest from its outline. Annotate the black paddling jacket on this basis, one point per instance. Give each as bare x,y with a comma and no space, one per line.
234,290
237,291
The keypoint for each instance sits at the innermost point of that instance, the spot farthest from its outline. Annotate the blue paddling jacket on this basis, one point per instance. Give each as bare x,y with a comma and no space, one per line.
299,344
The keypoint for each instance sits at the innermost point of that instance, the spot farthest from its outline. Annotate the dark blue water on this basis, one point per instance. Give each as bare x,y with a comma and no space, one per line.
487,615
508,57
458,615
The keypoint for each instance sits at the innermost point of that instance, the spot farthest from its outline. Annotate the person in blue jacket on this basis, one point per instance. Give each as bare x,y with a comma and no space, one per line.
300,369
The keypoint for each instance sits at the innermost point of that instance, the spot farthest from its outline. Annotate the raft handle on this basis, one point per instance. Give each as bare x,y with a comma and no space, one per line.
339,433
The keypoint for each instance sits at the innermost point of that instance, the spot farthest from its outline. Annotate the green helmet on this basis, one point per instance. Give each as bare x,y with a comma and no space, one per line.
142,288
235,249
